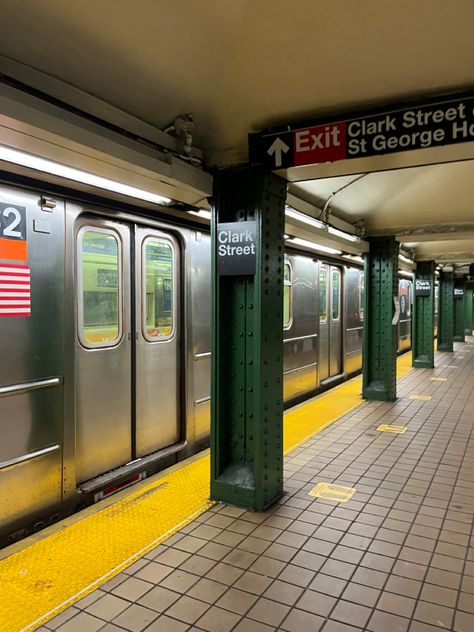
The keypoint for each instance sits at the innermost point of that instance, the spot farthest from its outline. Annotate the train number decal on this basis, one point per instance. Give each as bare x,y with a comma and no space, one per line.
12,221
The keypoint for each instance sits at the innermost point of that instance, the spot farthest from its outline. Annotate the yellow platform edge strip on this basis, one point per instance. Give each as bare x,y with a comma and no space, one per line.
42,580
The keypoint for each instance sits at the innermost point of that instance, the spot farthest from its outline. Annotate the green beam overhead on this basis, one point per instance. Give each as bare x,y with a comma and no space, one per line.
469,311
459,310
380,334
423,315
247,348
446,311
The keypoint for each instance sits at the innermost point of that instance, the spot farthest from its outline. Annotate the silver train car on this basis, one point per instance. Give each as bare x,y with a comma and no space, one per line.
105,377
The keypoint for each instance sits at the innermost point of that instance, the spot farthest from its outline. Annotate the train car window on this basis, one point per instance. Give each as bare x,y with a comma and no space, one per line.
336,293
436,299
408,299
99,304
158,289
323,303
287,297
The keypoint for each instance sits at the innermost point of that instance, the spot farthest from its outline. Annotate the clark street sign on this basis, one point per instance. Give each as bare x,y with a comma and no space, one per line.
422,287
236,248
443,122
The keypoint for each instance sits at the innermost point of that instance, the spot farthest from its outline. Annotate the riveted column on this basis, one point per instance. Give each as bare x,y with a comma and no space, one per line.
459,310
446,311
423,315
380,334
247,358
469,311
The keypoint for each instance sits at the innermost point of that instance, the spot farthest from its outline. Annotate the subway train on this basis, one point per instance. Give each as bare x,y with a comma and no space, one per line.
105,337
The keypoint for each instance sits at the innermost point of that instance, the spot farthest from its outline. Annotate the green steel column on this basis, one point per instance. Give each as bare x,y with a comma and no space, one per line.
446,311
247,358
380,335
423,315
469,311
459,310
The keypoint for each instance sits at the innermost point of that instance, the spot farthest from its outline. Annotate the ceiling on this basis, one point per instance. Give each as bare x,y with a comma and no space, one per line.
244,65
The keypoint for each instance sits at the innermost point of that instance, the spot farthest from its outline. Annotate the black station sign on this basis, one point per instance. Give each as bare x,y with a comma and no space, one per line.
458,292
236,248
422,287
443,122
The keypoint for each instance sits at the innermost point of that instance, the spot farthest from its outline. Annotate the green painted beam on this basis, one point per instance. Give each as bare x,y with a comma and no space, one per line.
247,347
380,335
423,316
446,311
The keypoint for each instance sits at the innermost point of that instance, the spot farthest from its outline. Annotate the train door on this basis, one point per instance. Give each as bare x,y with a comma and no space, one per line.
126,353
330,322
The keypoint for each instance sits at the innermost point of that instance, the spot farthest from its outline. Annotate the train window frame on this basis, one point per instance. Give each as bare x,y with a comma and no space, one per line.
161,239
323,268
80,286
288,284
337,271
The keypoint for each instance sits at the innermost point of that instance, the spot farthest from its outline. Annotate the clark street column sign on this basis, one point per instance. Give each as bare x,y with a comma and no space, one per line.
236,248
422,287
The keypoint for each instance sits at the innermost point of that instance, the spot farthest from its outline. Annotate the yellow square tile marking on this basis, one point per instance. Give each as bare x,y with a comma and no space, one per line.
451,366
424,398
390,428
332,492
439,379
60,568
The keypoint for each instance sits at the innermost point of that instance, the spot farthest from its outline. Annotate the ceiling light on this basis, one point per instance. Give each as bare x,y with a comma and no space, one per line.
353,258
341,233
302,217
311,244
405,274
405,259
63,171
202,212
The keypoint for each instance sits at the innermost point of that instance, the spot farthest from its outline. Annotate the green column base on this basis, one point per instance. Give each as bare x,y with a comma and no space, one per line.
445,346
459,338
377,391
468,332
423,362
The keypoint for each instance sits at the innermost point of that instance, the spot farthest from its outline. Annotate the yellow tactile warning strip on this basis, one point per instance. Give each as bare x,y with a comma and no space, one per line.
391,428
38,582
329,491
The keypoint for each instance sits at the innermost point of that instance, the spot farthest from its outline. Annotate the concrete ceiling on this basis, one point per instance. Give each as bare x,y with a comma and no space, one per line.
244,65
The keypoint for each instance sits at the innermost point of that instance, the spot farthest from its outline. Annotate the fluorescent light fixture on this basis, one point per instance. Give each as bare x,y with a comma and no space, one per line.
63,171
404,273
342,234
202,213
353,258
405,259
302,217
311,244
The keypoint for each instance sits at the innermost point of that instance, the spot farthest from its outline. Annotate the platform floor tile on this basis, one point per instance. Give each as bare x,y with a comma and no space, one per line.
397,557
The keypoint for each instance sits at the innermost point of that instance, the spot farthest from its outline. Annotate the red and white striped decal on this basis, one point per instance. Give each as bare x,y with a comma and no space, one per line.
15,296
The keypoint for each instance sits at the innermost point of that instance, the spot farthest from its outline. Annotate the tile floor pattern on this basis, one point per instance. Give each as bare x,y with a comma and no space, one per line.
397,557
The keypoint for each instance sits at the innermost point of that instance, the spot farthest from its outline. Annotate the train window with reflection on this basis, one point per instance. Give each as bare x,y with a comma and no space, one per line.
287,296
158,289
409,299
336,294
99,304
323,293
361,296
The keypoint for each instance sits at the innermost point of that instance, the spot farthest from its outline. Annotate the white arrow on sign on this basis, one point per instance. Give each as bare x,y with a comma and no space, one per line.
276,148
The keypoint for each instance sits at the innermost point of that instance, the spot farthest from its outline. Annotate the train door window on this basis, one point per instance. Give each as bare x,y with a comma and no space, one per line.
99,277
361,296
287,296
436,299
158,289
323,302
409,299
336,294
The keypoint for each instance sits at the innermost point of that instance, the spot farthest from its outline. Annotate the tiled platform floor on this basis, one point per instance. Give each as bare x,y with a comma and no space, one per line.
398,556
